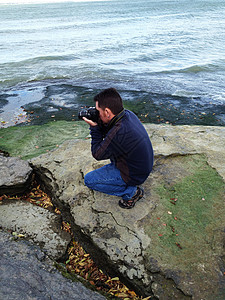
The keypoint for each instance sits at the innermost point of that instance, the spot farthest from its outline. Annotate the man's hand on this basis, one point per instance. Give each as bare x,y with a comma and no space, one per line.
90,122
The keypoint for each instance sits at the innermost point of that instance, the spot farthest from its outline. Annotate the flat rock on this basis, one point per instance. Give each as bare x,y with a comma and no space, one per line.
36,223
27,273
210,140
171,244
15,175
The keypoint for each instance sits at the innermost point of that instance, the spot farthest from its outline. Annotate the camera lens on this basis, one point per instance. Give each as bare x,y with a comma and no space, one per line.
82,113
90,113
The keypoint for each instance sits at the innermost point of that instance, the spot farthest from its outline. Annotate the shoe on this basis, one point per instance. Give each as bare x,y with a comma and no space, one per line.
131,202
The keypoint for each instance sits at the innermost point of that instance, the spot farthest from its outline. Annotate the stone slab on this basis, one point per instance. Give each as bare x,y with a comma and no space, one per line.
36,223
14,175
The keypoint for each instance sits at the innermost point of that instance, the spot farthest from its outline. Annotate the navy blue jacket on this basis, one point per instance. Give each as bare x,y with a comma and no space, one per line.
127,145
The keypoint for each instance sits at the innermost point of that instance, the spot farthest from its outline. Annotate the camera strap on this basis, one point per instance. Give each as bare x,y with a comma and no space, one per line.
115,119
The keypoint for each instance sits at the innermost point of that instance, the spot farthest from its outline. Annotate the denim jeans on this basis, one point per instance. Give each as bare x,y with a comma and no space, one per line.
108,180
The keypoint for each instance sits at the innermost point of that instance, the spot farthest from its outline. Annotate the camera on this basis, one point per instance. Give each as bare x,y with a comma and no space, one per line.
90,113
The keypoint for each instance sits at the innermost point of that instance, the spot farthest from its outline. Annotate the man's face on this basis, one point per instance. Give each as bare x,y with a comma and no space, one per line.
102,113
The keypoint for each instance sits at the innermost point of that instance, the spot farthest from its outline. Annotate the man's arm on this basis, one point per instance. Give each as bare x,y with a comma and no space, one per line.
99,149
103,147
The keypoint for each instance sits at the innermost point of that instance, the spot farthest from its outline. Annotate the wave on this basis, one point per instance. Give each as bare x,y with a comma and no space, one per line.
202,68
15,81
211,68
193,69
10,3
39,59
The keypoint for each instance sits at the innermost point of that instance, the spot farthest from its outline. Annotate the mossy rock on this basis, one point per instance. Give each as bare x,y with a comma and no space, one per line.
186,227
31,141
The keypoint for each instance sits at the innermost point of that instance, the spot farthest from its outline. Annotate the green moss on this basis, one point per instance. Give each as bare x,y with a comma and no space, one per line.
184,232
30,141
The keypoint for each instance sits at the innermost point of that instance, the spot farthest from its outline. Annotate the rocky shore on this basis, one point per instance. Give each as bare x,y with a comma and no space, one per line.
170,246
38,103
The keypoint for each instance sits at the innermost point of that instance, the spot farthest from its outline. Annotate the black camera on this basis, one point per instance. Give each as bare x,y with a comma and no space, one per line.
90,113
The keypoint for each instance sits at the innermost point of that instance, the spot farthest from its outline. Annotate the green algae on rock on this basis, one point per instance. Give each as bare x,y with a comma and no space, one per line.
188,222
31,141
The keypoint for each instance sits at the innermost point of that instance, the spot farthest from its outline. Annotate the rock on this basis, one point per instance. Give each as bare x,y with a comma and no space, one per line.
171,243
31,141
26,273
36,223
210,140
15,175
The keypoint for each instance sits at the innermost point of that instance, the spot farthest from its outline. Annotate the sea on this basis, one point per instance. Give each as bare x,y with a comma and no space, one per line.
165,57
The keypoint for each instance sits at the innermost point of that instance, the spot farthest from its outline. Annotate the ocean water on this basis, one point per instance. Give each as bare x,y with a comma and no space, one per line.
167,59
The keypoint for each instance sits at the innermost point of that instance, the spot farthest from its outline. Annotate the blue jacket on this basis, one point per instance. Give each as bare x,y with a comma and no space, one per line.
127,145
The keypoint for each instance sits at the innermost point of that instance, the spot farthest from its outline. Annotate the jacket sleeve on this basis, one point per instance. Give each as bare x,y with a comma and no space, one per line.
103,148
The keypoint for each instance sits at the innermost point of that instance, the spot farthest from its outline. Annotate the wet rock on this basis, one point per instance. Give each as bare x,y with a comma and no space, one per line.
171,243
37,224
15,175
27,273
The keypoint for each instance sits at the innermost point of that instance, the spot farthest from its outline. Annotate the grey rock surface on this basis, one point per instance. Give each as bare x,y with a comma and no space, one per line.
26,273
14,175
186,139
130,240
36,223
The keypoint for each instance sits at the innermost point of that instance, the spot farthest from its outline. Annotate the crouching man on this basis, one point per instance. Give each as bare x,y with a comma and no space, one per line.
120,137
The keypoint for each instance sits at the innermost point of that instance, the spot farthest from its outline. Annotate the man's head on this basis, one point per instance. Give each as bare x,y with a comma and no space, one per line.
109,104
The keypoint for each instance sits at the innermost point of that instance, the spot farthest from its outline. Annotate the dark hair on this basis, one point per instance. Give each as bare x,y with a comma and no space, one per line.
110,98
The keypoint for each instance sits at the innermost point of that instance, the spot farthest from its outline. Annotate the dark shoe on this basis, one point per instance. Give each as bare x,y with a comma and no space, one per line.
131,202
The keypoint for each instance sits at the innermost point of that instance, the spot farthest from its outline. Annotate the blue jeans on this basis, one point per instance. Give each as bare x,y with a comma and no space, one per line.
108,180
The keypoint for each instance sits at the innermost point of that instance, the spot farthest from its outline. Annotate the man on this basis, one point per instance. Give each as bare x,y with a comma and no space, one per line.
124,140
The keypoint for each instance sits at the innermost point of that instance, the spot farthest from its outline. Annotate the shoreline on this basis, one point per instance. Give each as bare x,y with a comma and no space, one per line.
42,102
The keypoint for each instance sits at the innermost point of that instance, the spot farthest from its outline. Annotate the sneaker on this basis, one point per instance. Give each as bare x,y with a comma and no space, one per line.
131,202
